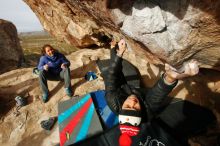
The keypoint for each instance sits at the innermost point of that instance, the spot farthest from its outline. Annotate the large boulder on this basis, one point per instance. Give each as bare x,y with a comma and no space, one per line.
11,51
177,30
174,31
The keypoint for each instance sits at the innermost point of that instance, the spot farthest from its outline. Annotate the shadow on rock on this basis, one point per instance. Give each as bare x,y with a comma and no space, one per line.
33,140
176,7
8,93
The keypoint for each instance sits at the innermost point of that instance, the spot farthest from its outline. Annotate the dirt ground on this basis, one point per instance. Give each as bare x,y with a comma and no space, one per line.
22,127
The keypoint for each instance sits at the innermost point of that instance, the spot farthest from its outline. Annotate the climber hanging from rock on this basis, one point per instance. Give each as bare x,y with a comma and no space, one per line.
138,109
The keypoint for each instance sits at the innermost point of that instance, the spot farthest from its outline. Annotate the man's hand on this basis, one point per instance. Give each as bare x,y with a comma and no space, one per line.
46,67
113,43
191,69
121,47
63,66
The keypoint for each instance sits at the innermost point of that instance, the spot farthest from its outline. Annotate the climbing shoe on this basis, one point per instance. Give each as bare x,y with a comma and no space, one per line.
45,97
36,71
68,92
20,101
48,124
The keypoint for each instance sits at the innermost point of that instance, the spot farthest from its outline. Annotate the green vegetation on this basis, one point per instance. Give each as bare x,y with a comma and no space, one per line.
32,44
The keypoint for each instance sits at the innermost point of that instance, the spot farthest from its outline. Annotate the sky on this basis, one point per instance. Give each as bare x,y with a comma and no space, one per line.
20,14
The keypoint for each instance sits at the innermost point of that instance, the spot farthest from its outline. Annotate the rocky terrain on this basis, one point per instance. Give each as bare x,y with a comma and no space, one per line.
155,31
23,128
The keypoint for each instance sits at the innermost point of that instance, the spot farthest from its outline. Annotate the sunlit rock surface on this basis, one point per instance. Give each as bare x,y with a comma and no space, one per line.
173,31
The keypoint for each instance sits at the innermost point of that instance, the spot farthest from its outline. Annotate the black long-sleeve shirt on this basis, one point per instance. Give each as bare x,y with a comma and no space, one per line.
117,90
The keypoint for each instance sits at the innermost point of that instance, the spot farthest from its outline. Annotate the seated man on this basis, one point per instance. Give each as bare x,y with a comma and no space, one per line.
53,66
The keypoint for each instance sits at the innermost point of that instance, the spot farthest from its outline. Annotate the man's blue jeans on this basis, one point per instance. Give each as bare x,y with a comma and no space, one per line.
45,75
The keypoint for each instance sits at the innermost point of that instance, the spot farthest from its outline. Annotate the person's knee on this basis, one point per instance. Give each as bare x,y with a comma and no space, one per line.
42,73
67,71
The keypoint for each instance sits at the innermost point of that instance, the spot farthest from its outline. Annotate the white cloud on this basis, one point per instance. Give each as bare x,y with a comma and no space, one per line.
19,13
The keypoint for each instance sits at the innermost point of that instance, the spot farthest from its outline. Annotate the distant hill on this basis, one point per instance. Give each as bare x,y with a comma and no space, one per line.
34,33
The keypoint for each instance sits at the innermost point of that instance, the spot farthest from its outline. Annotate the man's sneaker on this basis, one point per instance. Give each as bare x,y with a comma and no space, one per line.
68,92
45,97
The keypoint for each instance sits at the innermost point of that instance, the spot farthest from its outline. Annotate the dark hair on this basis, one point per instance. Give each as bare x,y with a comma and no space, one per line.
43,50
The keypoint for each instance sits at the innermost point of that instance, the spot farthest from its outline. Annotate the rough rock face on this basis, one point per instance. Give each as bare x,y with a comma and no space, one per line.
172,30
11,51
24,129
177,29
